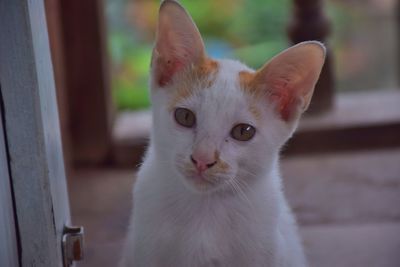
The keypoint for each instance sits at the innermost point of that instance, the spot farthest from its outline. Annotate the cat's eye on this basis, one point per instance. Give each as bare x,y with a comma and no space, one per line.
185,117
243,132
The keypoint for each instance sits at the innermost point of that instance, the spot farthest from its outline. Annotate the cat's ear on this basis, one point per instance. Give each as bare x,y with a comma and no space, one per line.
290,77
178,43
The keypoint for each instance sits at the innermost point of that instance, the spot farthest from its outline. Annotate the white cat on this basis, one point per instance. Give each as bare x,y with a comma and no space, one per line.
209,191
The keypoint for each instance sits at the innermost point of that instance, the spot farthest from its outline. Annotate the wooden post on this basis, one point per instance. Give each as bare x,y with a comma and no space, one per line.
87,82
53,17
310,23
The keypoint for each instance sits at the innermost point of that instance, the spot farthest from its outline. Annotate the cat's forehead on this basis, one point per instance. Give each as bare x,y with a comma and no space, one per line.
220,85
223,97
216,93
215,80
229,70
226,85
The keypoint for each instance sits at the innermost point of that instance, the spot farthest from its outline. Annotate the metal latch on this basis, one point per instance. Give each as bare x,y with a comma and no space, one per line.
72,244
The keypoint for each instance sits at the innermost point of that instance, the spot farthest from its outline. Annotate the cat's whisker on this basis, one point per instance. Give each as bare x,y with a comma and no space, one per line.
232,186
251,174
243,183
240,190
248,171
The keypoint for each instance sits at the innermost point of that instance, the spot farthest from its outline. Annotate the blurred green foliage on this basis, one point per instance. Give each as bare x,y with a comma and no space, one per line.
130,72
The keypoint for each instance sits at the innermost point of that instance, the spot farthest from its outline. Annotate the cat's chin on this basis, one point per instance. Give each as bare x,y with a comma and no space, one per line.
201,183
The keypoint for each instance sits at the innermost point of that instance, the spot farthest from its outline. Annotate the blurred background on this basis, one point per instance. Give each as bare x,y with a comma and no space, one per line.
362,39
341,169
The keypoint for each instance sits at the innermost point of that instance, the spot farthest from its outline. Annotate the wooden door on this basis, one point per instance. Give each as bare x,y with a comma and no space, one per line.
32,134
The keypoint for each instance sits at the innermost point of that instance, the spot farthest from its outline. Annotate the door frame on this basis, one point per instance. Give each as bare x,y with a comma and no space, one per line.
32,132
8,235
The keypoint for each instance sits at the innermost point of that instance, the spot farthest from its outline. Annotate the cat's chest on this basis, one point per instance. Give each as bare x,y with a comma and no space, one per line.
211,235
205,225
199,241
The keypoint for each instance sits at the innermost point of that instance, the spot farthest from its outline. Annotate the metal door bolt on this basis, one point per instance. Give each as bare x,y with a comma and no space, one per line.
72,244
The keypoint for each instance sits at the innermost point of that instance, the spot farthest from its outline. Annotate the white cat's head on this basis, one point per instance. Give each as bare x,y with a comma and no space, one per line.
218,123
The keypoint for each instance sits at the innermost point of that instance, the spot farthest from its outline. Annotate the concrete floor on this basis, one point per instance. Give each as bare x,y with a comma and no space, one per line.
348,207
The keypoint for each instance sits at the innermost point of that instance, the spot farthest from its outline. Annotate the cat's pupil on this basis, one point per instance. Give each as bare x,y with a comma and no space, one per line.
243,132
185,117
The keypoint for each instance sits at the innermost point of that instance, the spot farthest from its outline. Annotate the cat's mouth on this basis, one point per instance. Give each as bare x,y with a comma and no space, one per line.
200,181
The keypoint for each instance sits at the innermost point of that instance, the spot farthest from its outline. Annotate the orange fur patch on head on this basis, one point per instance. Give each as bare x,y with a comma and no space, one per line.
253,88
194,78
251,84
255,111
246,79
207,67
182,92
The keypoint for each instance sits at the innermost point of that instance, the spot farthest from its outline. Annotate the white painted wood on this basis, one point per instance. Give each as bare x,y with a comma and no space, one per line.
32,132
8,236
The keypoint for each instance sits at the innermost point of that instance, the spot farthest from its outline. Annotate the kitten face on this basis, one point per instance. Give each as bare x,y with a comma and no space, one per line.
219,104
218,109
218,124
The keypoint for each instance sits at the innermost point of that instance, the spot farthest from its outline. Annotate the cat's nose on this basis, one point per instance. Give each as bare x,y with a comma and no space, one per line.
202,164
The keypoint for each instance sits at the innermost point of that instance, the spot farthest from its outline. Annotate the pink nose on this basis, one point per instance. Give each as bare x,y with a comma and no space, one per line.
202,164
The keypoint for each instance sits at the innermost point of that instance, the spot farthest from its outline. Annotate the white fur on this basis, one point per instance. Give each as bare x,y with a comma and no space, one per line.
174,224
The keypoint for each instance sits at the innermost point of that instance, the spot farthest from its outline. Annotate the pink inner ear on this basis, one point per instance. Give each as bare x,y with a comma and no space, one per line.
290,77
284,97
166,69
286,105
178,43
